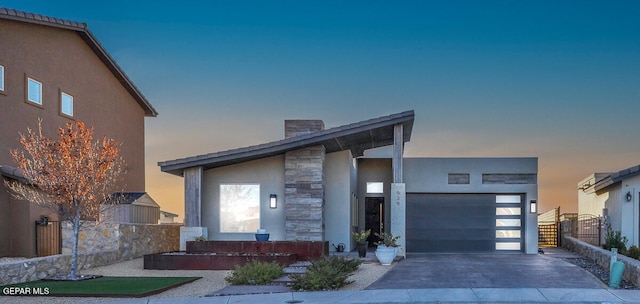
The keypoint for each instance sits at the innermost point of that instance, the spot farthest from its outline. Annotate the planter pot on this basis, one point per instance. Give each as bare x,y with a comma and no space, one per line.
386,254
362,249
262,237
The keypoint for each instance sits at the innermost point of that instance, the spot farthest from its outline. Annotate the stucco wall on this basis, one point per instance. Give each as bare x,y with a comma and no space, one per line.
588,201
630,210
338,199
430,175
61,61
269,173
613,204
622,215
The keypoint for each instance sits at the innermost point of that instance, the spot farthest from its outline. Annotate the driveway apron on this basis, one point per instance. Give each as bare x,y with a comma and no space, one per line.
485,271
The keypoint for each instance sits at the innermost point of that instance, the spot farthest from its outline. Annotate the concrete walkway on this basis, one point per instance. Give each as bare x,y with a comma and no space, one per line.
437,295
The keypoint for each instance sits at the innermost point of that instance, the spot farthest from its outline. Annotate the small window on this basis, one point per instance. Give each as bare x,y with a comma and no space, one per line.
34,91
66,104
375,187
1,78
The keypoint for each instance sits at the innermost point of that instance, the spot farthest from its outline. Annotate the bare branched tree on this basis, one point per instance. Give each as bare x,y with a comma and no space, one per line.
71,175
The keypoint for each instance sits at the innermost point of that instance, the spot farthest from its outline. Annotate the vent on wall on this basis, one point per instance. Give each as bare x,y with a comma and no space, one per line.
509,178
458,178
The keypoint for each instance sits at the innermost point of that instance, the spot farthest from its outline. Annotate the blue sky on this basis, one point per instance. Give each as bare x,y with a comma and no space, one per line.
559,80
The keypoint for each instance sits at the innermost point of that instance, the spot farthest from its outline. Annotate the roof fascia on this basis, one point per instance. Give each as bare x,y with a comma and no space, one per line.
274,148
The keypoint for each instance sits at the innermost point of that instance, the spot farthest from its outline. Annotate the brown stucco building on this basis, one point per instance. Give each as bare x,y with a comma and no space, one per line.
56,70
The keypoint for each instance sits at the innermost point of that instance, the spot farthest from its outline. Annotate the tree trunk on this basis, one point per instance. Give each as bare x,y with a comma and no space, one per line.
74,252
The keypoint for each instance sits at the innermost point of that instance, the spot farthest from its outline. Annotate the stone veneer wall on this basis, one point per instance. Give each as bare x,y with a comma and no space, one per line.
602,257
304,194
304,185
100,245
133,240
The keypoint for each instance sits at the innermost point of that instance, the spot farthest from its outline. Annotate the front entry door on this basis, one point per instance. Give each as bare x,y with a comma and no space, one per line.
374,217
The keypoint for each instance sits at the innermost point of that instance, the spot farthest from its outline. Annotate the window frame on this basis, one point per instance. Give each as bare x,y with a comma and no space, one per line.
27,97
2,79
62,112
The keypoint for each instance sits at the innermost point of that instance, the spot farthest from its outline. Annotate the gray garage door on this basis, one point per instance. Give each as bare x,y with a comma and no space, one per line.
463,222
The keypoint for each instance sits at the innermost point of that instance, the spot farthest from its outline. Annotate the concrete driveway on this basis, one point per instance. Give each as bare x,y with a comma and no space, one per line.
486,271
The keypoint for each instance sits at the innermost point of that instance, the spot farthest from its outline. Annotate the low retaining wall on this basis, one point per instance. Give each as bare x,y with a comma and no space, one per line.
211,261
99,245
304,250
34,269
133,240
603,257
225,255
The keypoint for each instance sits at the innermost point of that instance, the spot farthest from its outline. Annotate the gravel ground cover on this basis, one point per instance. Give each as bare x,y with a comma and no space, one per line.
599,272
211,281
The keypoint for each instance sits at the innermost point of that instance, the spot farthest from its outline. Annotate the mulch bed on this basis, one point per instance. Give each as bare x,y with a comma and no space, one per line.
599,272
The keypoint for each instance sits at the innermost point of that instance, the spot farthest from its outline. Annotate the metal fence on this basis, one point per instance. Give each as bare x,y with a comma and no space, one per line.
48,237
585,227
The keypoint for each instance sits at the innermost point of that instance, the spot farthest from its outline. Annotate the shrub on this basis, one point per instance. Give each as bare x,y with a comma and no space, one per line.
614,239
634,252
328,273
255,273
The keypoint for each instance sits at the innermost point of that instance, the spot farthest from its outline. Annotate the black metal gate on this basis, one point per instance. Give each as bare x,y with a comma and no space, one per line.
48,237
549,228
548,235
587,228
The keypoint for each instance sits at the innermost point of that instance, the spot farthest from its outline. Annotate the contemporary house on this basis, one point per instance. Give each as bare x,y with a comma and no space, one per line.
57,71
615,197
322,184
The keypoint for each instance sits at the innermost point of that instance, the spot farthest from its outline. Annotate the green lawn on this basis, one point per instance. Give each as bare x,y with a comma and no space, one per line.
105,286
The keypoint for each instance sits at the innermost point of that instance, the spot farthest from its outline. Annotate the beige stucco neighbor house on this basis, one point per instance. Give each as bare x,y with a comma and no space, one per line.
57,71
322,184
615,197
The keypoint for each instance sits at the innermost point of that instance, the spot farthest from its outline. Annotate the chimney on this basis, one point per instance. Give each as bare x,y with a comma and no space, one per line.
298,127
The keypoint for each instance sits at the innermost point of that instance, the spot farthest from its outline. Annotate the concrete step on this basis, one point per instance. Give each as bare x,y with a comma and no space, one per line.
295,270
284,280
301,264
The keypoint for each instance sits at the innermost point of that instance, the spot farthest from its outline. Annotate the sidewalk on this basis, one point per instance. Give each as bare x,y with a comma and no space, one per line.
439,295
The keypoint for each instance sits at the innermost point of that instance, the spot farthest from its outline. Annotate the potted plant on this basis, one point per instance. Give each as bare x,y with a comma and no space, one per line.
387,248
262,235
361,241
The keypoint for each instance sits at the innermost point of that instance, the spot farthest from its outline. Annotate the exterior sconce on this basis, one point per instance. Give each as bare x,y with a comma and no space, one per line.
273,201
533,206
629,196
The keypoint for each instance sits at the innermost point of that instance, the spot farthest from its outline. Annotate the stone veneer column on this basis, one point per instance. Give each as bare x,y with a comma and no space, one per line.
304,185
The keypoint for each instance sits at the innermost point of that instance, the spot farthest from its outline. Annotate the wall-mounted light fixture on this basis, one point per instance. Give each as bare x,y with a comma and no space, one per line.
273,201
629,196
533,206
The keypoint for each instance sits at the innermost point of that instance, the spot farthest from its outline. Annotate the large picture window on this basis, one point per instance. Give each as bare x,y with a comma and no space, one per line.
239,208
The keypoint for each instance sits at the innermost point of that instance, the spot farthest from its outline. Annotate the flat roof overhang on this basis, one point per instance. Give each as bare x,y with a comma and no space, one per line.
356,137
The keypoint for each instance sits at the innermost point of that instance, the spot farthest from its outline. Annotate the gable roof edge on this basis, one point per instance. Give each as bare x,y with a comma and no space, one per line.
83,30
